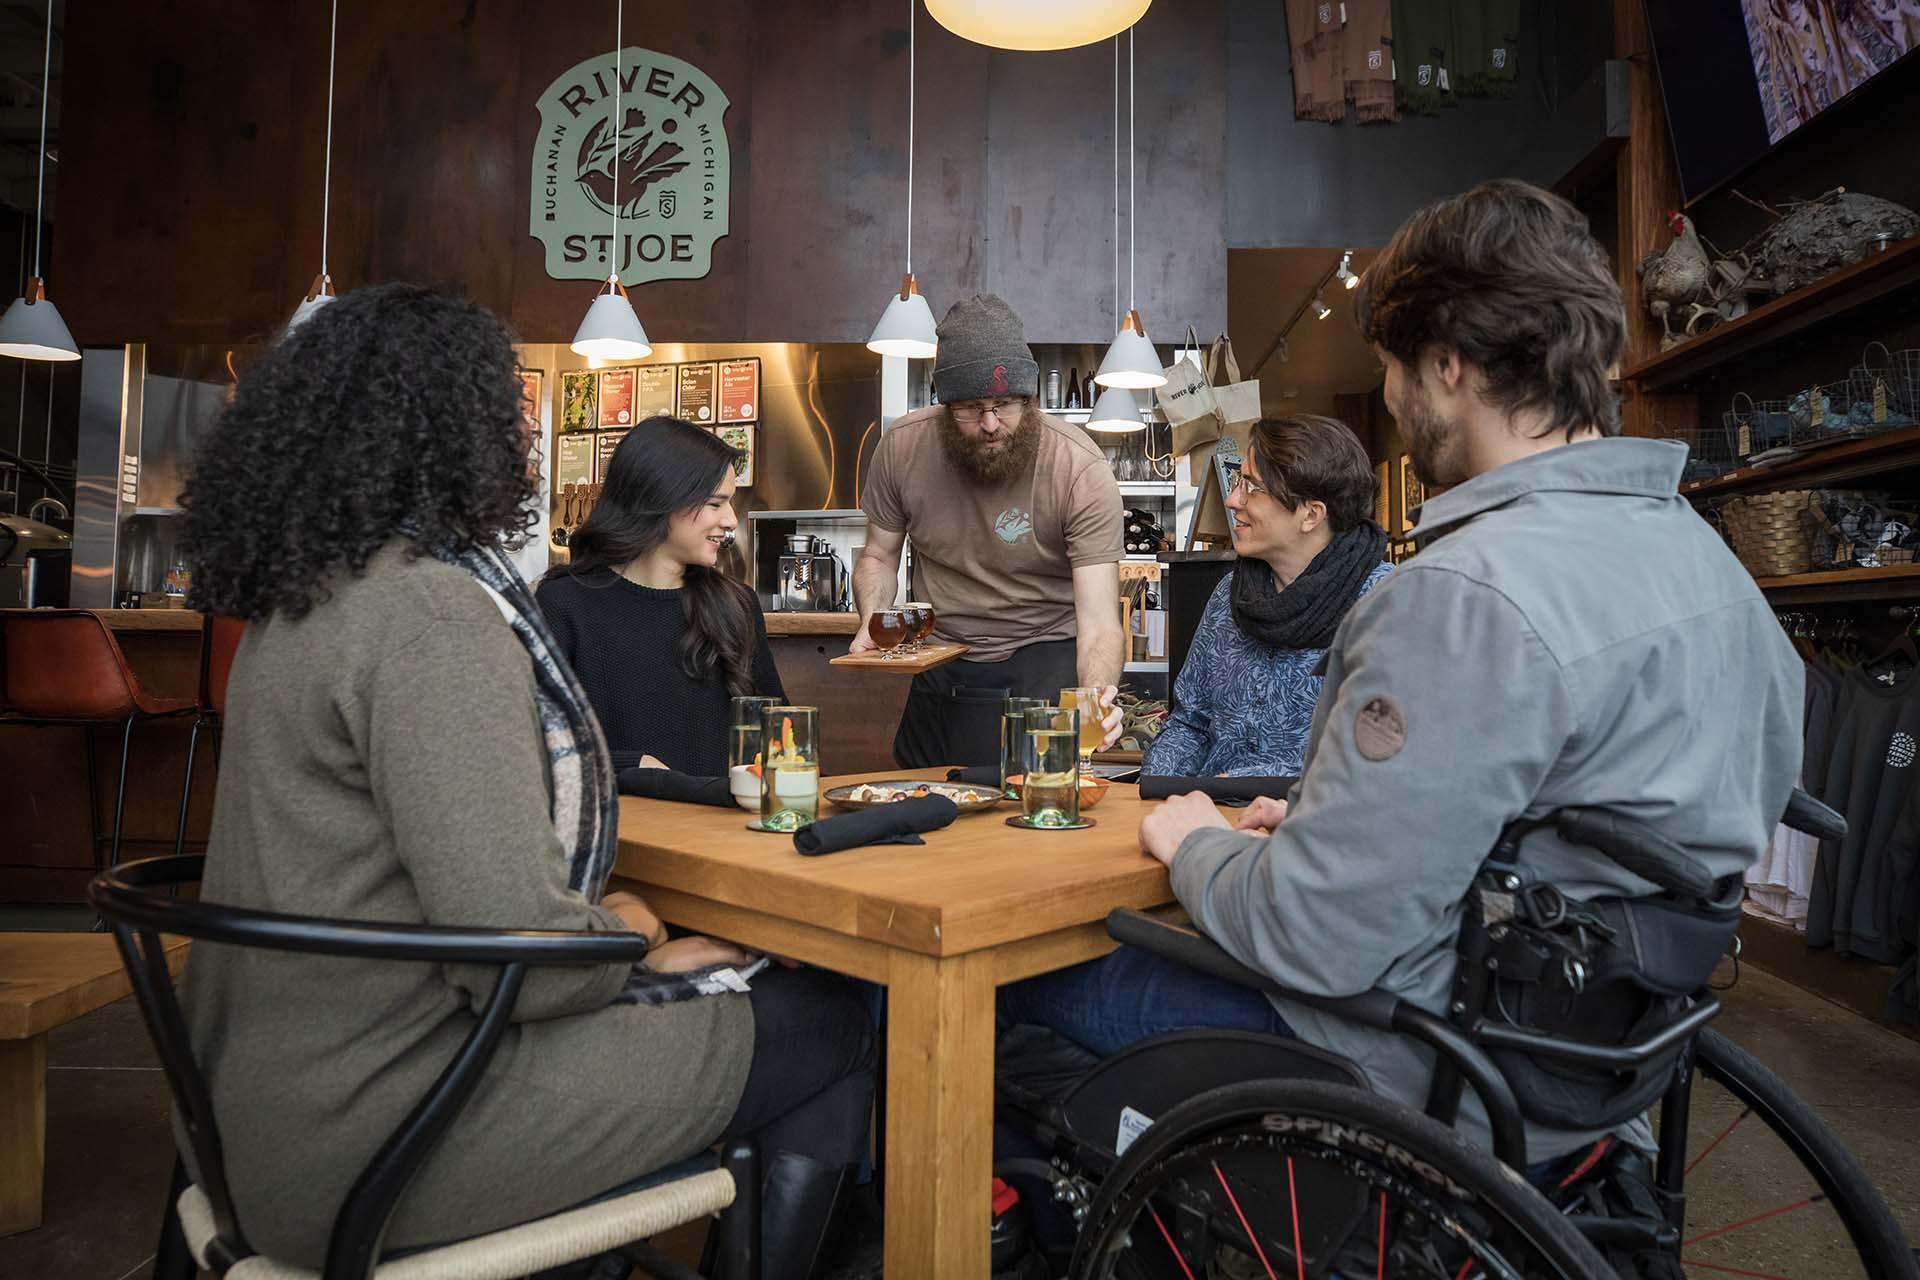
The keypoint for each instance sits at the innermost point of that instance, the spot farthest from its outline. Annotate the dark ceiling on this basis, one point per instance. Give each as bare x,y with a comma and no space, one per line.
23,31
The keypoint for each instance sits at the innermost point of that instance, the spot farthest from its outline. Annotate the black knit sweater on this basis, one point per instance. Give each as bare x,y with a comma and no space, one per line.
623,641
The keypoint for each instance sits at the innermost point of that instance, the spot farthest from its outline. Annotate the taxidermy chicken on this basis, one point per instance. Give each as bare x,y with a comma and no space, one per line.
1673,280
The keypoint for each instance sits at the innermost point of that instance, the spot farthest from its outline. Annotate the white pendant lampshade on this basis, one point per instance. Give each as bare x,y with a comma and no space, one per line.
318,295
1117,409
906,327
33,330
611,331
1022,24
1131,362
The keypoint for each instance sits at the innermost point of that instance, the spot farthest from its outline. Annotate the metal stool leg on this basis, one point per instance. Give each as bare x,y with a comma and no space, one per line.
172,1259
738,1231
186,790
93,795
120,796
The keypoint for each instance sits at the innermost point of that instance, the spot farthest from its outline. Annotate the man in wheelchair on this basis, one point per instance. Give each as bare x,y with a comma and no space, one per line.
1570,637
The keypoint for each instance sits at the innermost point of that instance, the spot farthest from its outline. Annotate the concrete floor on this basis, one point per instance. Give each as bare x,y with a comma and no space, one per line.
109,1153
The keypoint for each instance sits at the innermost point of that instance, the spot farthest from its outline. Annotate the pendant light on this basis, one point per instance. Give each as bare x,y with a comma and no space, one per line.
1022,24
1116,408
611,331
320,292
32,328
906,327
1131,361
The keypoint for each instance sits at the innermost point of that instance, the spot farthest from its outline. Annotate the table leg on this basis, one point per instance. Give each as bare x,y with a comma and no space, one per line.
939,1168
23,1132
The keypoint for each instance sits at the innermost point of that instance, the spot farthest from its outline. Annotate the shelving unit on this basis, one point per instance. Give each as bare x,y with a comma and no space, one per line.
1846,460
1890,582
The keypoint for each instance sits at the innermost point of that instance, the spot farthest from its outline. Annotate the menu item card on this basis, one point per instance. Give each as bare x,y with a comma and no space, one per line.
653,390
616,397
740,438
696,399
573,457
530,396
608,441
579,400
740,390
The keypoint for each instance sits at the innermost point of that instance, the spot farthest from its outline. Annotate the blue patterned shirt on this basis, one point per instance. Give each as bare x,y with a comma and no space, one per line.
1241,707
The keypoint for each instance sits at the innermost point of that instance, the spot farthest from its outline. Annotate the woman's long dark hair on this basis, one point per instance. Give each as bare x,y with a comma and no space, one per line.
393,412
666,467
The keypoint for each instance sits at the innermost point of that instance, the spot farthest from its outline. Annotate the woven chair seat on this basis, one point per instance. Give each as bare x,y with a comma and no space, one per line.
514,1252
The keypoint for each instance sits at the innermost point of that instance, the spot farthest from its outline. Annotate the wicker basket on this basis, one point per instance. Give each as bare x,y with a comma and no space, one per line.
1771,532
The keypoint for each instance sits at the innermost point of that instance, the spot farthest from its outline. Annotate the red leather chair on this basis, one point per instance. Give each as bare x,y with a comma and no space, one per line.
219,641
63,666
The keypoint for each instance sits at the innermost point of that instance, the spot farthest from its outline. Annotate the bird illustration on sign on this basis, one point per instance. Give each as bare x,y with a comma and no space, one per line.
642,163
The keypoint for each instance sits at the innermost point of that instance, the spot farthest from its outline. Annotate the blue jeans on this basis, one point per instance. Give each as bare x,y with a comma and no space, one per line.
1132,995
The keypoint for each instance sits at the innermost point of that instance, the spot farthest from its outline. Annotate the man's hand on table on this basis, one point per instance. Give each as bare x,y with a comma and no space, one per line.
861,640
1261,816
695,952
1164,830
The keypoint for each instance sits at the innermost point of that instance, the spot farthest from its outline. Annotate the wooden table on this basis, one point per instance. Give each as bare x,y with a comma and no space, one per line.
941,926
46,979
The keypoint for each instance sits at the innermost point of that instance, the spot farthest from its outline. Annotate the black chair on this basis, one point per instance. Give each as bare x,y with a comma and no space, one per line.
200,1226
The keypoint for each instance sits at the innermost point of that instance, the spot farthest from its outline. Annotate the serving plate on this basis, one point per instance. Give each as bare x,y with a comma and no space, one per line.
970,799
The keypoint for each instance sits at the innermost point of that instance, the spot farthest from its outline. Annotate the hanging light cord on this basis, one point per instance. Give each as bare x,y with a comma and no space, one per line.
40,201
619,119
1132,157
326,180
912,74
1116,184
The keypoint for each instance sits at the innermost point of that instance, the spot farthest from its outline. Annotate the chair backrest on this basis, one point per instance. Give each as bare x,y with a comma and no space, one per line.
64,664
133,898
219,641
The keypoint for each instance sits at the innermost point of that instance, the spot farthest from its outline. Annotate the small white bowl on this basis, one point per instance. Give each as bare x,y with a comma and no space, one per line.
745,786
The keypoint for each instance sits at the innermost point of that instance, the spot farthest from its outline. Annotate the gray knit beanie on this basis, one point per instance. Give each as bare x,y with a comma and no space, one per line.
983,353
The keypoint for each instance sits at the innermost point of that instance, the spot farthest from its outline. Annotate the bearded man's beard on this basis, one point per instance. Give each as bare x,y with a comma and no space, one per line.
1438,448
990,467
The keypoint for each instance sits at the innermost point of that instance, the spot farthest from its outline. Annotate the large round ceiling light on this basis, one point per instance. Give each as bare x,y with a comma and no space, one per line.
1022,24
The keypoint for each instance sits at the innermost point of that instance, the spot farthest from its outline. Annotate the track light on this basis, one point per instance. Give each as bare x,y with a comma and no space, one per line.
1345,275
1320,308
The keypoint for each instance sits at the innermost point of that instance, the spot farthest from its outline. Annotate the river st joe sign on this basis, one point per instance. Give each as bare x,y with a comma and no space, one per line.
669,150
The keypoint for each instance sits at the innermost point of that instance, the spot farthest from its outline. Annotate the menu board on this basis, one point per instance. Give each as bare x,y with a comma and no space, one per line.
579,396
609,441
573,458
696,393
740,438
740,390
653,391
616,397
530,396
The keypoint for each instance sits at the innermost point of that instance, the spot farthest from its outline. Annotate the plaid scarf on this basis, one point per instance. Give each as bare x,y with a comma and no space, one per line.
586,802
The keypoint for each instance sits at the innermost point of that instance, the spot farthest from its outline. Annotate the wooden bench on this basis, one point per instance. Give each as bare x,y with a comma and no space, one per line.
46,980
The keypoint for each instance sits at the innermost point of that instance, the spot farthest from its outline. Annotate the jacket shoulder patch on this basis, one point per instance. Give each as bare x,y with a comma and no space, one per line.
1380,729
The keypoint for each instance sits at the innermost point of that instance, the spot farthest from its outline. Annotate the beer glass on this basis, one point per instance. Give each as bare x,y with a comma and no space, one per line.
1087,703
1050,794
746,732
1013,739
924,625
888,628
911,612
790,772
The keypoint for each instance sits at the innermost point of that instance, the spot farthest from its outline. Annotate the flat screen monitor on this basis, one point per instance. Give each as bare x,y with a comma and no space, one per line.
1739,76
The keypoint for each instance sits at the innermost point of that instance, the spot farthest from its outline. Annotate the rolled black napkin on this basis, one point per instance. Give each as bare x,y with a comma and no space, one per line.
895,823
1228,790
669,784
976,775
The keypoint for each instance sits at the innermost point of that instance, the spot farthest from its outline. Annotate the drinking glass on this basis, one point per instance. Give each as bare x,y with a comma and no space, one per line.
790,774
887,628
924,625
1050,794
1087,702
911,612
1013,739
747,734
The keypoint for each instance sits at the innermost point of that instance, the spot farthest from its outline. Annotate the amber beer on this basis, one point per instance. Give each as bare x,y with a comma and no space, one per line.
1087,702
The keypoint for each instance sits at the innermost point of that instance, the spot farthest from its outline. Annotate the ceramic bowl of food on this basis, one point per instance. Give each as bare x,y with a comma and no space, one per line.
1092,790
745,784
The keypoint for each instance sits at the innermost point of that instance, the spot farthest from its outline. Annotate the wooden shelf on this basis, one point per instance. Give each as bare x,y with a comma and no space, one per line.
1873,277
1892,582
1845,460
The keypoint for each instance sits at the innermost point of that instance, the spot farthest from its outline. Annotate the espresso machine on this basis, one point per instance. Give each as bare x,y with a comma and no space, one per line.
811,577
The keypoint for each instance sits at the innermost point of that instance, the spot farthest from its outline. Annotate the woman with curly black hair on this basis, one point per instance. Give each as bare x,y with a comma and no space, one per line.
658,635
403,743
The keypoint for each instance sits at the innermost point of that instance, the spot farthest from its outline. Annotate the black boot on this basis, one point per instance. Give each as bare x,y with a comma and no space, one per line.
802,1202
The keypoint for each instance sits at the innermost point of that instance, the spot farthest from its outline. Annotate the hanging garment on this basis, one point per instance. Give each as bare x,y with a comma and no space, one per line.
1367,53
1421,30
1312,38
1778,885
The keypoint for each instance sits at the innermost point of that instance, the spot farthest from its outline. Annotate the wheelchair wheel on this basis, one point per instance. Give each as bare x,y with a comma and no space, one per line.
1290,1178
1780,1197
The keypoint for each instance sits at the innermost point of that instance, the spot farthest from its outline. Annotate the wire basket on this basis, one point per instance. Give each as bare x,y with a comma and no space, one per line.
1877,397
1821,414
1755,426
1708,452
1770,531
1858,529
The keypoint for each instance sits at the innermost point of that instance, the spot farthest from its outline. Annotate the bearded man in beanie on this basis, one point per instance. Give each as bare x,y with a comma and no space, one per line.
1016,526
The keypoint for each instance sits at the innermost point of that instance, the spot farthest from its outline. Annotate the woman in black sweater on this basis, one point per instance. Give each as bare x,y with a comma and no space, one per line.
659,637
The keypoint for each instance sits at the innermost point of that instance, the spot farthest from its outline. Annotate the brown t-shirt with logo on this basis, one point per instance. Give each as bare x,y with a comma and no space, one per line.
996,563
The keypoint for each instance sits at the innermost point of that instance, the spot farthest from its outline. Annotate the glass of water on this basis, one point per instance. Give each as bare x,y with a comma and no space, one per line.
746,734
1013,740
790,773
1050,794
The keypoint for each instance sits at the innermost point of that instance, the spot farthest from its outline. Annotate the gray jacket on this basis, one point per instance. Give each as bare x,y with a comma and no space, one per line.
1577,636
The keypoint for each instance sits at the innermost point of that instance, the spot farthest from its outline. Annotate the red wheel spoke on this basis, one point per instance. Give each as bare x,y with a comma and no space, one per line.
1744,1113
1246,1226
1461,1274
1172,1248
1732,1271
1293,1202
1732,1227
1380,1250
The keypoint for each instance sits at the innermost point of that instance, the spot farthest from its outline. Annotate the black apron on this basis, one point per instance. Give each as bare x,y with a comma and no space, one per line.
952,715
